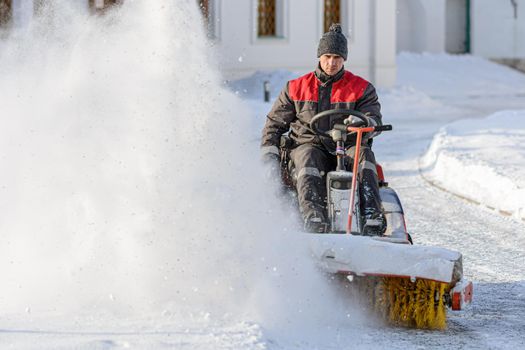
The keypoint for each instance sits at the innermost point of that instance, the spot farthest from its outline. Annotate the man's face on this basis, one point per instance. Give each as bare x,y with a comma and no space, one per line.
331,64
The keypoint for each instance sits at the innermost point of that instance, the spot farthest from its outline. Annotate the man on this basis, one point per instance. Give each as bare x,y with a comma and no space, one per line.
330,86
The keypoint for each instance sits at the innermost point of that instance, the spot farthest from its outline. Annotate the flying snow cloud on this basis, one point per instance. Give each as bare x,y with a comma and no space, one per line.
128,179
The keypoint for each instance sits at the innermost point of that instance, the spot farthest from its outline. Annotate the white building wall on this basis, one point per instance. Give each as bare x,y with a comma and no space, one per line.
421,25
496,32
361,44
241,50
369,25
385,41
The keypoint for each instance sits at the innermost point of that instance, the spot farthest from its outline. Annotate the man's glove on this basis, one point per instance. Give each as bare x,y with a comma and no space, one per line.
371,122
355,121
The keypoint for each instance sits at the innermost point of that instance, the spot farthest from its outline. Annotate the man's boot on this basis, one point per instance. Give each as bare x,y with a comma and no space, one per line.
374,219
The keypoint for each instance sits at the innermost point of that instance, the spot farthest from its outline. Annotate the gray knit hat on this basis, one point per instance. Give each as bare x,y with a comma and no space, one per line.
334,42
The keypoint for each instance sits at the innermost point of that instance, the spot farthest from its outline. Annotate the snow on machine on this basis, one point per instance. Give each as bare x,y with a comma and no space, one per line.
408,285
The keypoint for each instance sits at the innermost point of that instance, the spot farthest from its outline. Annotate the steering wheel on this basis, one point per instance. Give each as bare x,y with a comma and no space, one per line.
314,123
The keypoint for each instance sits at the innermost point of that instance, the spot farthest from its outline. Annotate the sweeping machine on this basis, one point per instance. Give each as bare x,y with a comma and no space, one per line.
406,284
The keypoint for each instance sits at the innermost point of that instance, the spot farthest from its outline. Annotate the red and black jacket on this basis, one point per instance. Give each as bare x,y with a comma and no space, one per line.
315,92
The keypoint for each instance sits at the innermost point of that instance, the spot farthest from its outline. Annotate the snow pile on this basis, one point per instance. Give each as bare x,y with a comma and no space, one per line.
482,160
128,183
458,76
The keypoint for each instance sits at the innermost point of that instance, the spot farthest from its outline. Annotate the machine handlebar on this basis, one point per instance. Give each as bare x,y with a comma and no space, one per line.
387,127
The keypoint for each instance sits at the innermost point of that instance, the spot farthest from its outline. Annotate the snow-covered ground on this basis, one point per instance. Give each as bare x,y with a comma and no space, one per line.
135,213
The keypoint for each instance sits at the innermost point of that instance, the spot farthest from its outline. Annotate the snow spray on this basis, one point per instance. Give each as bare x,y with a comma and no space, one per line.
128,183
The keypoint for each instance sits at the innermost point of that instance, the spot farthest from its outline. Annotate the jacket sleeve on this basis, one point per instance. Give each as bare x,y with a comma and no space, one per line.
369,105
277,123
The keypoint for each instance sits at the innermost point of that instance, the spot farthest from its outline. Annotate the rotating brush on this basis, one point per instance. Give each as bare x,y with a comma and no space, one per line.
416,304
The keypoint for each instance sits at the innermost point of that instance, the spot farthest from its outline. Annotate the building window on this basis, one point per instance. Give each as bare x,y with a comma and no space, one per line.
332,13
5,12
266,18
271,16
100,6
